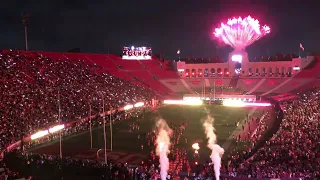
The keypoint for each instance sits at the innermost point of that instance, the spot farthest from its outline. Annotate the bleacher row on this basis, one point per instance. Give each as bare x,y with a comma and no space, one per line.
258,86
144,73
156,75
308,77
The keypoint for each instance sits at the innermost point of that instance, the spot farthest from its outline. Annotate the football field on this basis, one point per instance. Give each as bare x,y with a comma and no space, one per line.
128,142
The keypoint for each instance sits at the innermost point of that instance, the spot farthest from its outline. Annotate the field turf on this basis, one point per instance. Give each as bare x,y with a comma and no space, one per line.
126,142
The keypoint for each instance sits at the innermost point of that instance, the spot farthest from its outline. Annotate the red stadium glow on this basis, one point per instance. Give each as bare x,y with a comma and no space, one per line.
240,33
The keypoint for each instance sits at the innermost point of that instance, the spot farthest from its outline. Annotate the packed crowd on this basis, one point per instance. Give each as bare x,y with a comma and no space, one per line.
37,91
22,165
252,129
294,151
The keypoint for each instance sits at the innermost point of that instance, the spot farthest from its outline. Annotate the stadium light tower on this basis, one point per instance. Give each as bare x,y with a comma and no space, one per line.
104,131
240,33
25,22
90,123
111,134
60,123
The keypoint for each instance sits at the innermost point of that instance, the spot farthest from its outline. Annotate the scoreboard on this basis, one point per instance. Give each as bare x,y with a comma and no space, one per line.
136,53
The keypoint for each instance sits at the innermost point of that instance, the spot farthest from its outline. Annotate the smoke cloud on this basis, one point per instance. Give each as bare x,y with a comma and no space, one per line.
163,144
217,151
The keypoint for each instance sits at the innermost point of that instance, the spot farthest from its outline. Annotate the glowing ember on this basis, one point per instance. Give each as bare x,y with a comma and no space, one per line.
240,33
195,146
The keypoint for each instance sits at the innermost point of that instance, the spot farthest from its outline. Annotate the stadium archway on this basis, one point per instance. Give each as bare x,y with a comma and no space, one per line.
187,72
289,71
226,72
250,72
193,73
277,71
282,71
270,71
263,71
199,72
212,72
206,72
219,71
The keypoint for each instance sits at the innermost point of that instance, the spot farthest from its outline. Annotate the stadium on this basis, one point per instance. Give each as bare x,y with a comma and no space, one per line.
138,116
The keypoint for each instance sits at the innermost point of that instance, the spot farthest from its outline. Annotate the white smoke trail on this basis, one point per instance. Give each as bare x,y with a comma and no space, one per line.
217,151
163,144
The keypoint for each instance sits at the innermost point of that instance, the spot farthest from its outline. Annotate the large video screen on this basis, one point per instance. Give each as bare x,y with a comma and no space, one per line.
237,58
136,53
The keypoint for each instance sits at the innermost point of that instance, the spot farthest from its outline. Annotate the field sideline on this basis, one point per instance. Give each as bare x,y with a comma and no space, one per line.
128,143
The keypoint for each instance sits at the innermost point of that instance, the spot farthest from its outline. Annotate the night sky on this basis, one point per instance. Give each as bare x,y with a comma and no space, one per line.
102,26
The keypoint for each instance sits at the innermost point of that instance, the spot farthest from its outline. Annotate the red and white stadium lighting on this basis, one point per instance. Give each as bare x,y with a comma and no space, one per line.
39,134
296,68
191,102
56,128
239,103
138,104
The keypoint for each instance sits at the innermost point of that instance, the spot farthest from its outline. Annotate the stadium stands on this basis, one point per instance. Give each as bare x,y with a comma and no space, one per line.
34,83
127,64
310,71
174,84
101,60
147,78
37,86
249,84
269,85
294,150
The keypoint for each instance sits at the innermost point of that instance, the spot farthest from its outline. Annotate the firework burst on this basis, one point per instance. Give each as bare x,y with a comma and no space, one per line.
240,33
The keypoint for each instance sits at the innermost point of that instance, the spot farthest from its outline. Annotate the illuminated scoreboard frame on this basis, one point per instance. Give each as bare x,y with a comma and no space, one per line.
136,53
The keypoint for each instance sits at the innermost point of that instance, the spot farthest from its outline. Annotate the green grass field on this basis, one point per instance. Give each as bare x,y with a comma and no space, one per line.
126,141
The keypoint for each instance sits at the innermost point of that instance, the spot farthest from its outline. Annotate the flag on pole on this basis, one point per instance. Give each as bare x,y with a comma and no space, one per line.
301,47
178,52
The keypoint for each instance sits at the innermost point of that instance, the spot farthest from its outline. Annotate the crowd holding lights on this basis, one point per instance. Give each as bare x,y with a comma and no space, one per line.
241,32
30,97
